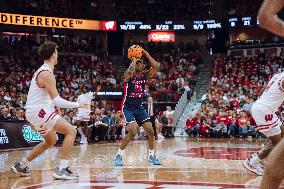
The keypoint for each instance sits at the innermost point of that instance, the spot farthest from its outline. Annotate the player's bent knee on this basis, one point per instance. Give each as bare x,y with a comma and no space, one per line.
148,128
50,143
148,124
132,132
132,129
72,130
50,139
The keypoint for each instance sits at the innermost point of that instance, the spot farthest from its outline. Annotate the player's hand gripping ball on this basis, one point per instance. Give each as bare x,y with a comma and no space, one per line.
135,51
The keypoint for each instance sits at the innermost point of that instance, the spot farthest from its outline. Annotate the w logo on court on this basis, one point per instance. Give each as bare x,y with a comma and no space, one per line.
268,117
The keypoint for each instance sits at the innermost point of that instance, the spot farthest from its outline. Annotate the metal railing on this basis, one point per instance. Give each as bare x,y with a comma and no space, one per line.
180,108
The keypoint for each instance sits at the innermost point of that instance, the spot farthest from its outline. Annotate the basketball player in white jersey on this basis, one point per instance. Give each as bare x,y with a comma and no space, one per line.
268,19
263,112
40,112
83,114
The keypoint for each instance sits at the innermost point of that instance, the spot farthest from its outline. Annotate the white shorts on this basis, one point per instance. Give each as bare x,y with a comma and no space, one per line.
43,119
266,120
82,116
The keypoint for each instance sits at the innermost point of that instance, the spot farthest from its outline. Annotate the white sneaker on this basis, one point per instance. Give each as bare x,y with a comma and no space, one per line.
65,174
84,140
254,168
160,136
19,170
262,163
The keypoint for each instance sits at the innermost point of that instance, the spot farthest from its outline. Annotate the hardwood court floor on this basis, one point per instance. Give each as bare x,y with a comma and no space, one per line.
186,163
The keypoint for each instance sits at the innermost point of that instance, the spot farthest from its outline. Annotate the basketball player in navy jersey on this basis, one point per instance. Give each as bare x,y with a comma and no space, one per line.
268,19
135,79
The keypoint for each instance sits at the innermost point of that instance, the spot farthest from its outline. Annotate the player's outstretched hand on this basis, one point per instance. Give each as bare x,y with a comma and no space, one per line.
87,106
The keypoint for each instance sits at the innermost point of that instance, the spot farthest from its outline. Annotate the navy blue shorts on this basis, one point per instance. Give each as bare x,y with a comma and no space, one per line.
135,114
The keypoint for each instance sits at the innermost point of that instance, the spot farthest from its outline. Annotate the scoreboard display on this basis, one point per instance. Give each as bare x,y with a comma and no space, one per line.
195,25
159,26
206,24
246,21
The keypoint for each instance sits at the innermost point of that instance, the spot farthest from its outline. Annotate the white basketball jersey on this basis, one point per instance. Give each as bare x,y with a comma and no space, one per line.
38,97
85,99
273,95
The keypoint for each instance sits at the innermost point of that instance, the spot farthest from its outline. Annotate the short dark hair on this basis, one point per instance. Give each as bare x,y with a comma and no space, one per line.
46,49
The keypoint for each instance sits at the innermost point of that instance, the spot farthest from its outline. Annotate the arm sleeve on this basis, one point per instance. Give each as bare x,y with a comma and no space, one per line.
60,102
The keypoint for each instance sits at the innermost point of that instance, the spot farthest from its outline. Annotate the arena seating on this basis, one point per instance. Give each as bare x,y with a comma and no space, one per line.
235,84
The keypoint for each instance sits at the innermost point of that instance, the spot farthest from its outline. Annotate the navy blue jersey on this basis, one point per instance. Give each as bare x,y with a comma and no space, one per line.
134,91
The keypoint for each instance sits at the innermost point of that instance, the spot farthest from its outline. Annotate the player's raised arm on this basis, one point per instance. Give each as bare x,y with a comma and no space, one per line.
130,71
47,80
154,64
268,18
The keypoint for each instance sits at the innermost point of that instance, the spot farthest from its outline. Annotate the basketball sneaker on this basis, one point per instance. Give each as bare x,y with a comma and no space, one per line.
84,140
254,168
261,163
118,160
64,174
21,170
154,160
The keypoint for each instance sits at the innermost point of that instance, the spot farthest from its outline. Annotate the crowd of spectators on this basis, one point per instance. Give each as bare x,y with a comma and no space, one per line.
69,44
235,85
19,60
91,9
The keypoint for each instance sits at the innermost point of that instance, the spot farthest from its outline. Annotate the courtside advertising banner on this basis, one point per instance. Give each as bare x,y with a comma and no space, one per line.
18,134
110,94
55,22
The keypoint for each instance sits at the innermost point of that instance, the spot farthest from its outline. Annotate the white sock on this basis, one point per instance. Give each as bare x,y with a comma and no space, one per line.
120,152
25,163
63,164
254,160
80,131
151,152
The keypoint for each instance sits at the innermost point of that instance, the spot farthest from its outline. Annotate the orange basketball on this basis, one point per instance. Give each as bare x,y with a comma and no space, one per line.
135,51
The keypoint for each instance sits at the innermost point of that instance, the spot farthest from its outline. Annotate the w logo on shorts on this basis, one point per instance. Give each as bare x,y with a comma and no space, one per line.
268,117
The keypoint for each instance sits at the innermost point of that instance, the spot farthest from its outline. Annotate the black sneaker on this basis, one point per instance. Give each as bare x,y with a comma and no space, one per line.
24,172
65,174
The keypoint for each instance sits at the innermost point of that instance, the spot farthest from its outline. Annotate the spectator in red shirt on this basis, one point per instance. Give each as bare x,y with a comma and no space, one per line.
193,126
245,127
222,124
205,128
